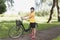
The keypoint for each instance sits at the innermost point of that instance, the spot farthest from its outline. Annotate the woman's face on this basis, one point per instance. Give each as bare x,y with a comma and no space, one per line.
32,10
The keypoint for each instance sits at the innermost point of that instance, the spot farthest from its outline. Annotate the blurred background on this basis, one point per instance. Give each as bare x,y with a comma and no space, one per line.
11,9
22,7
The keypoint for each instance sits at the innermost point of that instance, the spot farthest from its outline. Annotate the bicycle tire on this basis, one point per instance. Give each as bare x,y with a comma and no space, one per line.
15,33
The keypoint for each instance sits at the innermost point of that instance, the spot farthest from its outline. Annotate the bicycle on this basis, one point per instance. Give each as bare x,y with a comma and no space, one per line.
18,30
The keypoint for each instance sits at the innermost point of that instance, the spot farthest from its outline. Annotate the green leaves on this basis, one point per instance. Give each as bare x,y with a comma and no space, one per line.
2,1
11,2
2,6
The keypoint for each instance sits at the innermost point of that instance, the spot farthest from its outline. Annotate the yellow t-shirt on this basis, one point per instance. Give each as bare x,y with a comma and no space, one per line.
32,17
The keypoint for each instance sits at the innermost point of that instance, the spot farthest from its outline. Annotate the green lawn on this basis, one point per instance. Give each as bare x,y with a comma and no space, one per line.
58,38
5,26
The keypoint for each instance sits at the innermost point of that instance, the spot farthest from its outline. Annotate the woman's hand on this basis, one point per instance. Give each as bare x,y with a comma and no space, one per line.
24,18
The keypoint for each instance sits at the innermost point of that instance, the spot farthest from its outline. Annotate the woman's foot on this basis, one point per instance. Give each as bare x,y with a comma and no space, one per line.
33,38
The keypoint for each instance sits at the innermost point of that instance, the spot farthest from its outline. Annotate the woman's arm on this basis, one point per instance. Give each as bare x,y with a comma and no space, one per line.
25,17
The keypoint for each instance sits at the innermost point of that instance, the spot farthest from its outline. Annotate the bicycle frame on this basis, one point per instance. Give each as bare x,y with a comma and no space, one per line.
19,24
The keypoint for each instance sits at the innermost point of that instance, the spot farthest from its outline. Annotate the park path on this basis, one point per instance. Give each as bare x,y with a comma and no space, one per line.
47,34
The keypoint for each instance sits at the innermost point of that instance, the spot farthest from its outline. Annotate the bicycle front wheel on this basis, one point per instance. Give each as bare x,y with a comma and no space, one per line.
15,32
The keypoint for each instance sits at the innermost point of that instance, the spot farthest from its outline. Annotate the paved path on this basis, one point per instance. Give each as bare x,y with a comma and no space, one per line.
47,34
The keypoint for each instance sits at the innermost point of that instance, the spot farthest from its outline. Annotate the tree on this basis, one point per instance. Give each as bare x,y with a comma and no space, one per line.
55,3
9,2
2,6
38,3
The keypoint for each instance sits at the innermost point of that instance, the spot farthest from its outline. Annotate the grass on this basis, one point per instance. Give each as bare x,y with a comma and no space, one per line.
5,26
58,38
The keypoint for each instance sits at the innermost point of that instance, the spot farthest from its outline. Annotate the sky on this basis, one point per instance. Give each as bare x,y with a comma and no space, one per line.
23,5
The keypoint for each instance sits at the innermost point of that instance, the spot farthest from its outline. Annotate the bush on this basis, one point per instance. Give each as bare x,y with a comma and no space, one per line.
42,13
2,6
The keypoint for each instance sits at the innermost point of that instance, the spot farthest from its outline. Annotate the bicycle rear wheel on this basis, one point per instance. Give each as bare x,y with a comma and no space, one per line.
15,32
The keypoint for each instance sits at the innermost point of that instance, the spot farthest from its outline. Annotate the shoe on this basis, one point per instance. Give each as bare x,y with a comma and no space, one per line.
33,38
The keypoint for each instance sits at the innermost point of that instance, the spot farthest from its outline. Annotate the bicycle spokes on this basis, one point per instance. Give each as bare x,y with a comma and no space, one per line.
15,32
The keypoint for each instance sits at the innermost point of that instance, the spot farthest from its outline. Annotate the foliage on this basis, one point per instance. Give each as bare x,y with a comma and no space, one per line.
2,6
42,13
43,0
10,2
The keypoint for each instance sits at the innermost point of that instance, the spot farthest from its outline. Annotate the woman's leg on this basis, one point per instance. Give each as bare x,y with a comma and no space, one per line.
33,32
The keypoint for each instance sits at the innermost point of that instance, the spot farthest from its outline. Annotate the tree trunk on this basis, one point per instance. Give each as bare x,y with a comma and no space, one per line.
51,11
58,10
55,3
59,16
